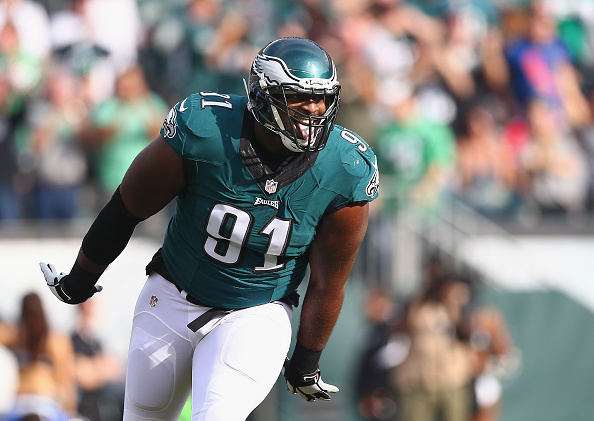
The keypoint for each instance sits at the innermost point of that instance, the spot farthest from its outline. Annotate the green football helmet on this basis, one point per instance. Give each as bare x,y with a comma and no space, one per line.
294,66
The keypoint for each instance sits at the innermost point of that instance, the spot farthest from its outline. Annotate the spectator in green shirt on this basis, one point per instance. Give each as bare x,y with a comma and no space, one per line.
417,156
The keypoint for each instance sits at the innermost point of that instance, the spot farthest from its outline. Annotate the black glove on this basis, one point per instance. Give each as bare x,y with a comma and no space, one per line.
308,384
57,285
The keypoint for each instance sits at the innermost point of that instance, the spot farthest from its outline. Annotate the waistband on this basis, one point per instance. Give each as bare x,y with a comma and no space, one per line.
157,265
291,299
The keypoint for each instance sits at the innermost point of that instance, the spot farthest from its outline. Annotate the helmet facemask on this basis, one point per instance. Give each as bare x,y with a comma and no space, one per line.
299,131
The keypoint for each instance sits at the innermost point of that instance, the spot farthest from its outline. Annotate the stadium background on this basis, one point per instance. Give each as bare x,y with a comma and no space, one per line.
534,266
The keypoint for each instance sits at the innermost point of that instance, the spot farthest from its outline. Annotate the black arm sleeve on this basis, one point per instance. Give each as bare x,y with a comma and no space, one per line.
110,232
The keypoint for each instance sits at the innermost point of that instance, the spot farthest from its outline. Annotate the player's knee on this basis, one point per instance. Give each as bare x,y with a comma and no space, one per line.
151,374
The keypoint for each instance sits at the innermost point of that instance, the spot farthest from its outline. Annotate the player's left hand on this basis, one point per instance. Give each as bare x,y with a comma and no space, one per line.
56,283
309,385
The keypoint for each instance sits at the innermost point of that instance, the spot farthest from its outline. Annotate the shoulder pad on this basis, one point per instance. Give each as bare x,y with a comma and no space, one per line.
202,115
356,163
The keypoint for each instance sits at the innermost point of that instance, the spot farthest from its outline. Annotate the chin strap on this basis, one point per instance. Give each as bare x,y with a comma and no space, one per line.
288,143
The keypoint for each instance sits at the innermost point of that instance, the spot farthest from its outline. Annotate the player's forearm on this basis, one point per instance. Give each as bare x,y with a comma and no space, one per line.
331,259
106,239
320,311
109,234
89,265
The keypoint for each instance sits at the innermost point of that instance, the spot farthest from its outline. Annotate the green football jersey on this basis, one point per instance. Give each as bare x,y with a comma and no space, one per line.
240,232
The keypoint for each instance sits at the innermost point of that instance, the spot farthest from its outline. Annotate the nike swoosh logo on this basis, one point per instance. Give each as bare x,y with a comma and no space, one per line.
308,378
64,292
181,107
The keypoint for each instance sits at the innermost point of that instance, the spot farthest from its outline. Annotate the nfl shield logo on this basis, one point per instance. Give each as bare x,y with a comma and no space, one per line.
153,301
270,186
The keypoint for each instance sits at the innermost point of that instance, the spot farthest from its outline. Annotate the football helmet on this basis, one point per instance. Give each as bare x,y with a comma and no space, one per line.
294,67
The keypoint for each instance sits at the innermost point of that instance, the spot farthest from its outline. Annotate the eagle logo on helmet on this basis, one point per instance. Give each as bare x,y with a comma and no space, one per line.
270,69
275,72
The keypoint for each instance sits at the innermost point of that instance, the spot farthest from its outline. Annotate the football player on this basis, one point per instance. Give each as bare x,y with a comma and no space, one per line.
265,186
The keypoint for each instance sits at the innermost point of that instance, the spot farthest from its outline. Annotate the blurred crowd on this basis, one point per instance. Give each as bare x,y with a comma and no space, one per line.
50,375
484,102
440,355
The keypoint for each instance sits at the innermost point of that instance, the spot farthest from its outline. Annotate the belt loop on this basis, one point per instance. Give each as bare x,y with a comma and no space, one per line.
206,317
185,295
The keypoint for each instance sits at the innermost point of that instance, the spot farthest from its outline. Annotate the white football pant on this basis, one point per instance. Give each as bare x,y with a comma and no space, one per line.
229,365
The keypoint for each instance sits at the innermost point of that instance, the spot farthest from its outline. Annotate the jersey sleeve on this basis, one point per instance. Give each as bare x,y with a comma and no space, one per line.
174,129
368,187
357,174
361,164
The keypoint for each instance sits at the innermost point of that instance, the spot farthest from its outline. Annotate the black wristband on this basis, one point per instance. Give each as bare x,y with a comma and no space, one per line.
79,283
305,359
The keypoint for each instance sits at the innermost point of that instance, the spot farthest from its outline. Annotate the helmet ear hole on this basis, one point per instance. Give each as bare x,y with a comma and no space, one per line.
294,66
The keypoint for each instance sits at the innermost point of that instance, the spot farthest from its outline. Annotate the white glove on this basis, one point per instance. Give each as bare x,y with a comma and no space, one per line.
309,385
56,284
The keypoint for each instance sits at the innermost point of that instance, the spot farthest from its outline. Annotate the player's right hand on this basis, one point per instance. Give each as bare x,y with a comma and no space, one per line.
57,284
309,385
